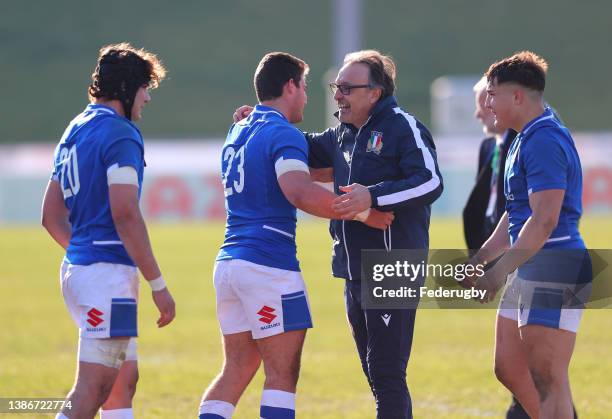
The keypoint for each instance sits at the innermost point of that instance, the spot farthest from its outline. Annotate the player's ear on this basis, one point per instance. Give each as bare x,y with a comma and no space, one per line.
518,96
289,87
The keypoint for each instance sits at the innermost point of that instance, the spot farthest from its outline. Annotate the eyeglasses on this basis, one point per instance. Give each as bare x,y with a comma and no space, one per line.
345,89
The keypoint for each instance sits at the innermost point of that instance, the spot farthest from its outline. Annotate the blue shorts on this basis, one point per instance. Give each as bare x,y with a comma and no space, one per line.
551,289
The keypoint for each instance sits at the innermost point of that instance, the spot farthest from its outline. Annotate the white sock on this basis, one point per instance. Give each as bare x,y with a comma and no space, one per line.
60,415
217,407
127,413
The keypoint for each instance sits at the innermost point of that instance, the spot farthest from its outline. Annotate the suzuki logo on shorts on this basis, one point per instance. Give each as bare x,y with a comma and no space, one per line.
94,317
266,314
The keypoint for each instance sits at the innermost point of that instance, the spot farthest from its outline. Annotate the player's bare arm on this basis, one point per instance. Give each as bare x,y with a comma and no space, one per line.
133,233
545,207
55,214
306,195
492,248
371,217
496,244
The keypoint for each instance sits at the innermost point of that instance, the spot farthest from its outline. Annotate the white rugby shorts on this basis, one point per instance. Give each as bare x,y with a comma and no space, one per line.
266,301
101,298
549,304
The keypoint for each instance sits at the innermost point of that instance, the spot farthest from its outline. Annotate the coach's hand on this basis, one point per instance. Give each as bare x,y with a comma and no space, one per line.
378,219
165,304
242,112
491,282
356,199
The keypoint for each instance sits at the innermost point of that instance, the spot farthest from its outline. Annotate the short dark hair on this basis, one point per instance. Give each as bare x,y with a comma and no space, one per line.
121,70
524,68
274,70
382,69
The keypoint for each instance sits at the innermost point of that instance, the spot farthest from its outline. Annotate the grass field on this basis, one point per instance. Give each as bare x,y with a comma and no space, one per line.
450,372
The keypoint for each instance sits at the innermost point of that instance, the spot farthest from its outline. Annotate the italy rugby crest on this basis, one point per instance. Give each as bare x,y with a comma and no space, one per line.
375,142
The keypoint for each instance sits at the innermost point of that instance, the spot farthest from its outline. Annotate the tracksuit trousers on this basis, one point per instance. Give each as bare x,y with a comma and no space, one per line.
384,340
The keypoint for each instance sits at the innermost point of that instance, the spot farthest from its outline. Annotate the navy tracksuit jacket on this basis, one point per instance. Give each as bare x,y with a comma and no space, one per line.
394,155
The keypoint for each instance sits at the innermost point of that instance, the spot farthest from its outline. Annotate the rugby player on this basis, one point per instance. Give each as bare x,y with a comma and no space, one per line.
262,303
91,209
539,238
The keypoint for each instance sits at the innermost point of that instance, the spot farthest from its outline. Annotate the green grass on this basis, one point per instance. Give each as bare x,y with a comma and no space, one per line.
450,372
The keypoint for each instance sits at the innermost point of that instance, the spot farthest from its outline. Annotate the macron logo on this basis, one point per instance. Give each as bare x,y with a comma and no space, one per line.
267,314
386,318
94,317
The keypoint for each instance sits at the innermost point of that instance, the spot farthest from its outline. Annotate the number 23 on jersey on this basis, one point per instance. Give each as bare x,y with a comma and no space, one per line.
231,156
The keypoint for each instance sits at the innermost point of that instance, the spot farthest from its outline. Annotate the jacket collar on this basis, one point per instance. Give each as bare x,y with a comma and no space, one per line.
388,102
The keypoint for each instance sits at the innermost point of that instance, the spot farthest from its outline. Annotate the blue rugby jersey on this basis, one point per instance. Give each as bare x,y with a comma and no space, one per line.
261,222
541,157
94,141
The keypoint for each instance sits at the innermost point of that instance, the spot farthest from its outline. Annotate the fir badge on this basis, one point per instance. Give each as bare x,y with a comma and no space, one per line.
375,142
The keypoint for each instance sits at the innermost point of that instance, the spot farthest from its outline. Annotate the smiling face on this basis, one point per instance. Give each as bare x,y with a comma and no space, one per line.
501,100
140,100
355,107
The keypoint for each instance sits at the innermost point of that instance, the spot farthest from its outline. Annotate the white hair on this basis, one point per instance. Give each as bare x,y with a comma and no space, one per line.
480,85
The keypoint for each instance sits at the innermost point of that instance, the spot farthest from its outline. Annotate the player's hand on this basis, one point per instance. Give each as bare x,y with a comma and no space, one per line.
356,199
242,112
470,280
379,219
165,304
491,282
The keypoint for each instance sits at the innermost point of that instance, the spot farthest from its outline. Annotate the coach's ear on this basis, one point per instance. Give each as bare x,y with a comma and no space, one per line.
375,94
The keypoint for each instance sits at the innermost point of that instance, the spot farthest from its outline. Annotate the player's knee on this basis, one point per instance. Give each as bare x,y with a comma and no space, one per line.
245,364
546,378
542,383
280,375
504,372
96,392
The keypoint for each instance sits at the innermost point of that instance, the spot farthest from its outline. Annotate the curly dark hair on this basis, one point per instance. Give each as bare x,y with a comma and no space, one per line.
121,71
